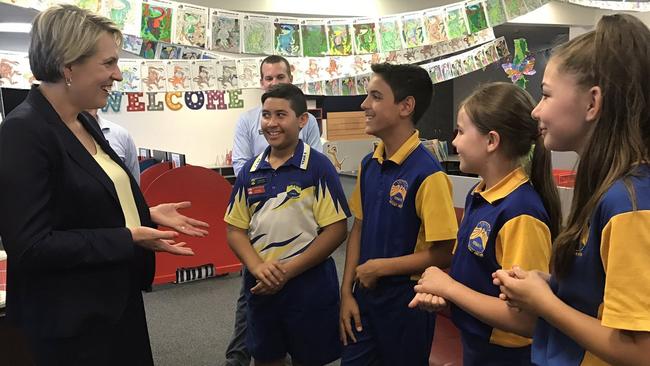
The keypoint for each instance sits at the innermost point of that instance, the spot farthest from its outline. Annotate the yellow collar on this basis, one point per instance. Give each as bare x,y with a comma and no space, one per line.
402,153
506,186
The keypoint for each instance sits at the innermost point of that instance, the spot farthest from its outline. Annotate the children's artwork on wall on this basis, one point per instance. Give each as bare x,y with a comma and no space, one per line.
339,39
287,37
389,34
436,28
456,24
126,14
298,65
365,37
314,38
131,44
348,86
476,18
10,76
533,4
204,75
178,76
191,25
92,5
258,34
332,87
227,74
148,49
315,88
515,8
153,76
523,64
156,21
131,80
190,53
248,71
436,74
501,47
362,84
224,28
495,12
412,30
168,51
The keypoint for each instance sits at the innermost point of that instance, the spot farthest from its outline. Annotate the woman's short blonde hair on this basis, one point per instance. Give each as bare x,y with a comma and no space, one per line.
63,35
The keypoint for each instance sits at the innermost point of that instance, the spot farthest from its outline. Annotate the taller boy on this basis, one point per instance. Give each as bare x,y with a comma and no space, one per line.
404,223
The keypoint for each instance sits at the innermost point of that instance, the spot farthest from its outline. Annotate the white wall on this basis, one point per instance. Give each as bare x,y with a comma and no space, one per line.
203,135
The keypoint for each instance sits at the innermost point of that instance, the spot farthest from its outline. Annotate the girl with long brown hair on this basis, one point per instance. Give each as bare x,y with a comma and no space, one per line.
510,218
595,307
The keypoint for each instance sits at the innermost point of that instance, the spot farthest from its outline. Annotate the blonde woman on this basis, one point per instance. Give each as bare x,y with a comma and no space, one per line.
78,233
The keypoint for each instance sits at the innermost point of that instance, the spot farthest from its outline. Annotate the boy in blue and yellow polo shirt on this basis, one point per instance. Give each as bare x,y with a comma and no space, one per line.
287,214
404,223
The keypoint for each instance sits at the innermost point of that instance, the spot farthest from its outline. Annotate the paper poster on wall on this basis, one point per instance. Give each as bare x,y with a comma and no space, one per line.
412,30
225,31
190,53
389,34
361,65
204,75
92,5
287,37
190,25
148,49
314,38
365,36
515,8
126,14
332,87
131,44
258,34
11,75
456,23
131,79
227,74
495,12
249,73
156,20
348,86
476,18
436,28
153,76
298,65
339,38
168,51
178,75
362,82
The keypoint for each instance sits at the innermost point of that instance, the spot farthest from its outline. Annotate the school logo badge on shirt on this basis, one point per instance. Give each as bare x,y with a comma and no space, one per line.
398,193
293,191
479,238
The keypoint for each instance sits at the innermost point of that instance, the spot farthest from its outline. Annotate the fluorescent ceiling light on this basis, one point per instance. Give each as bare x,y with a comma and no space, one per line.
15,27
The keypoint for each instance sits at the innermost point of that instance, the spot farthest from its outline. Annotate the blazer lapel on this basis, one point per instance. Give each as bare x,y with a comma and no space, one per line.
75,149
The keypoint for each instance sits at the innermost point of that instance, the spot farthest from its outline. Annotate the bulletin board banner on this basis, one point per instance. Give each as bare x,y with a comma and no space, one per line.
171,29
199,83
199,124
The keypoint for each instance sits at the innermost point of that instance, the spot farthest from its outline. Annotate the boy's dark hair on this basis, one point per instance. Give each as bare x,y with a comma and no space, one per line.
407,80
288,92
275,59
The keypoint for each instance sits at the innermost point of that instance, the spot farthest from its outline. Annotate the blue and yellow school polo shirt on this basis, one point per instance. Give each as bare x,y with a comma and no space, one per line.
284,209
405,202
610,274
503,226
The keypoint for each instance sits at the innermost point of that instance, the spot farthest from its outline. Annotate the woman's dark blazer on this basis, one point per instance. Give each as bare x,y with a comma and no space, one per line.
72,264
